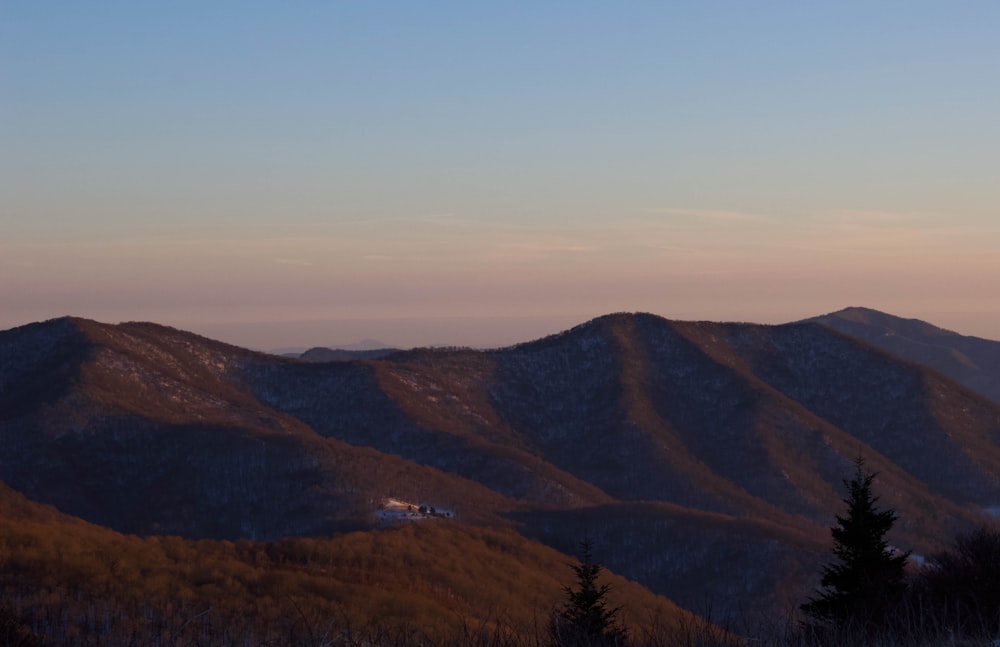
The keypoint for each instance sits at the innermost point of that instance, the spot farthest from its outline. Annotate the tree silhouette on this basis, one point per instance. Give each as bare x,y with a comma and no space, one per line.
867,580
585,618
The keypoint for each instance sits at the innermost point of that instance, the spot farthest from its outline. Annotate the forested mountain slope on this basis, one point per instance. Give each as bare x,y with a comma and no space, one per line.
652,436
146,429
65,581
972,361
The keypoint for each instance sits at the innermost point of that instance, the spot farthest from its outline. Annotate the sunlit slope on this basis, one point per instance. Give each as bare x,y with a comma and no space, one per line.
66,577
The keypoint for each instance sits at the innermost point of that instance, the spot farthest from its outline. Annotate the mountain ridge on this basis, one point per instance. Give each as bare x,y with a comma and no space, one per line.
151,430
971,361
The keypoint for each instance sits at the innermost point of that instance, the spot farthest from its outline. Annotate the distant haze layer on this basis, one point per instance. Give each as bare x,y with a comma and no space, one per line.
485,332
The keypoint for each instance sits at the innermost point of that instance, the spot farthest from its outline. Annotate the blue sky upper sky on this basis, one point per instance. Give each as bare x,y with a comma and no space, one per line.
287,174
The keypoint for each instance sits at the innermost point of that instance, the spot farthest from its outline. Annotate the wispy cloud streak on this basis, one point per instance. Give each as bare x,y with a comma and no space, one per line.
707,214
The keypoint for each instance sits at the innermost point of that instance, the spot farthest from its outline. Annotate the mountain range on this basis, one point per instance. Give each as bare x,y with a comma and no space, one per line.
704,460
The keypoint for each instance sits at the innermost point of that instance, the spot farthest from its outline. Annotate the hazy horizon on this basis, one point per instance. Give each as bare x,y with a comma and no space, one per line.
319,173
484,332
488,332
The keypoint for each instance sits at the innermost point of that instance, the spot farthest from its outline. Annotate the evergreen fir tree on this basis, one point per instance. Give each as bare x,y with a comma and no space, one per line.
867,579
586,619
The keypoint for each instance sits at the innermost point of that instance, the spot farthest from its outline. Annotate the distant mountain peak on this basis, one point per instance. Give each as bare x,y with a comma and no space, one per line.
972,361
364,344
323,354
857,313
876,318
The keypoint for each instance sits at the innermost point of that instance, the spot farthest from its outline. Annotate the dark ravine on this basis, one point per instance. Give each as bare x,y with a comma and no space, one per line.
690,450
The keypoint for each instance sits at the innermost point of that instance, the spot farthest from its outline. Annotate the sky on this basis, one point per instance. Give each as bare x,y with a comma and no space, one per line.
281,175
